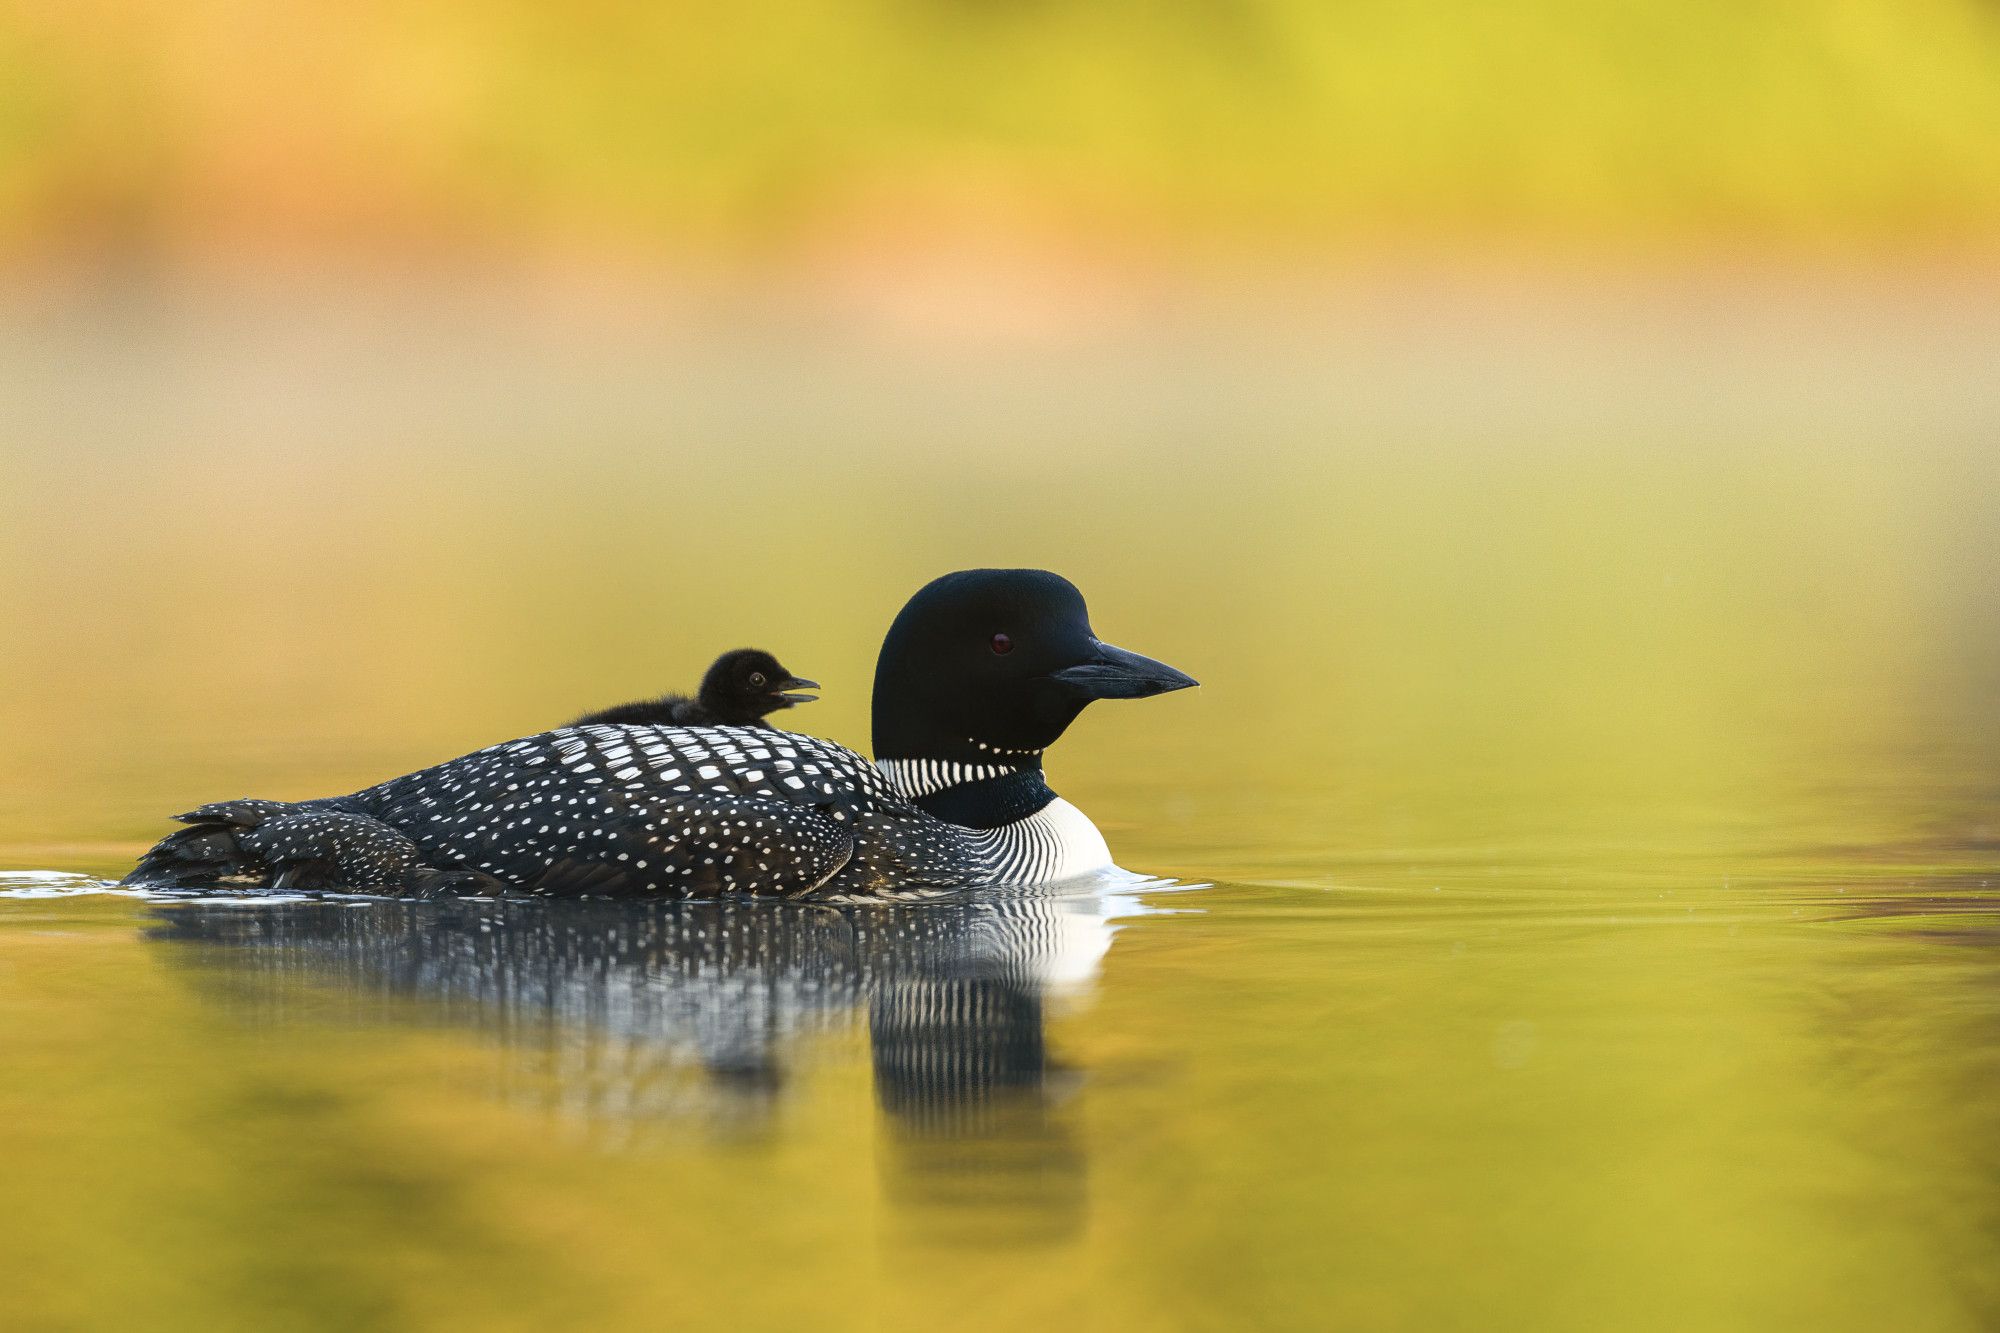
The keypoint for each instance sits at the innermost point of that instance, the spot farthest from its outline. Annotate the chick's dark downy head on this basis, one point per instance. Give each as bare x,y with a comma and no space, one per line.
748,683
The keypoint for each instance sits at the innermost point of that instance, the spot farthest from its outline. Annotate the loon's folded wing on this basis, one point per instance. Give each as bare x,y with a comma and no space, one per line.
698,846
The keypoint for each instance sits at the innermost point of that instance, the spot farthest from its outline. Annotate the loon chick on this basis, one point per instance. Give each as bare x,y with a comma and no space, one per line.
979,674
739,691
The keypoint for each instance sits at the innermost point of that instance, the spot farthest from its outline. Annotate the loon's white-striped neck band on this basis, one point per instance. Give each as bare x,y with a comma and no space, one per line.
918,778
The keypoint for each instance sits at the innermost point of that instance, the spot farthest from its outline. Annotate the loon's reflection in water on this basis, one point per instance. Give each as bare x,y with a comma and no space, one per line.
625,1016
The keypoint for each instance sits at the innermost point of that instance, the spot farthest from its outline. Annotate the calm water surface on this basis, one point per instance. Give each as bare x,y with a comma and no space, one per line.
1439,1093
1569,903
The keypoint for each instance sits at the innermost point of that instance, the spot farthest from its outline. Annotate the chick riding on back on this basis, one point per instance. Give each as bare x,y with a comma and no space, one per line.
740,690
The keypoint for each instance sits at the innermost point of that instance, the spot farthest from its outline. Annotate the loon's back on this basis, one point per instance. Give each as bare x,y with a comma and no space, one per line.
678,810
592,810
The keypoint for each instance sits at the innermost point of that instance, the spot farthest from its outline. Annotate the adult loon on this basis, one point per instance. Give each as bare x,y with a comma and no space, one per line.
979,674
740,690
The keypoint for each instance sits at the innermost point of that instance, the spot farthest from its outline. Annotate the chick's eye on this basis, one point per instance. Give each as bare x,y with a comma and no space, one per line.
756,680
1003,643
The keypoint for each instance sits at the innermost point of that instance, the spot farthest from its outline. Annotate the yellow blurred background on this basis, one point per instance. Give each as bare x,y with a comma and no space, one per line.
1580,390
1113,133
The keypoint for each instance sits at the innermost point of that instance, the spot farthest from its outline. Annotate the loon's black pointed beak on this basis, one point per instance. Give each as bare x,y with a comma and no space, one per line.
1113,673
797,683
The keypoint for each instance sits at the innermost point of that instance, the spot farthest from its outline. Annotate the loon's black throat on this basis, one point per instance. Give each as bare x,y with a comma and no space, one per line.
980,802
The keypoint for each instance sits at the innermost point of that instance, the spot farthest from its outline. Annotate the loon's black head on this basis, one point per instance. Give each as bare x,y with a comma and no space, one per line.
746,684
990,664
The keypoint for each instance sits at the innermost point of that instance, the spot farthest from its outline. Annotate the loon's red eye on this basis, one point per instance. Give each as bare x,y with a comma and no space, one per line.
1003,643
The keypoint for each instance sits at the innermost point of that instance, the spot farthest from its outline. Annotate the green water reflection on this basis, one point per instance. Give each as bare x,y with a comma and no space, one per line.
1481,1097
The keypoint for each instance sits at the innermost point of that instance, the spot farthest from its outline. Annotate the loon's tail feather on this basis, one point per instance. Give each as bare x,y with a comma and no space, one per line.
210,851
303,847
246,812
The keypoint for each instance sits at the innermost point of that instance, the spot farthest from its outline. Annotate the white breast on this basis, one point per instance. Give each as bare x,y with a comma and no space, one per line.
1056,842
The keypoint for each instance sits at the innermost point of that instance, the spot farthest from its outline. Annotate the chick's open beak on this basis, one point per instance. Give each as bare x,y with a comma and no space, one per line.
787,690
